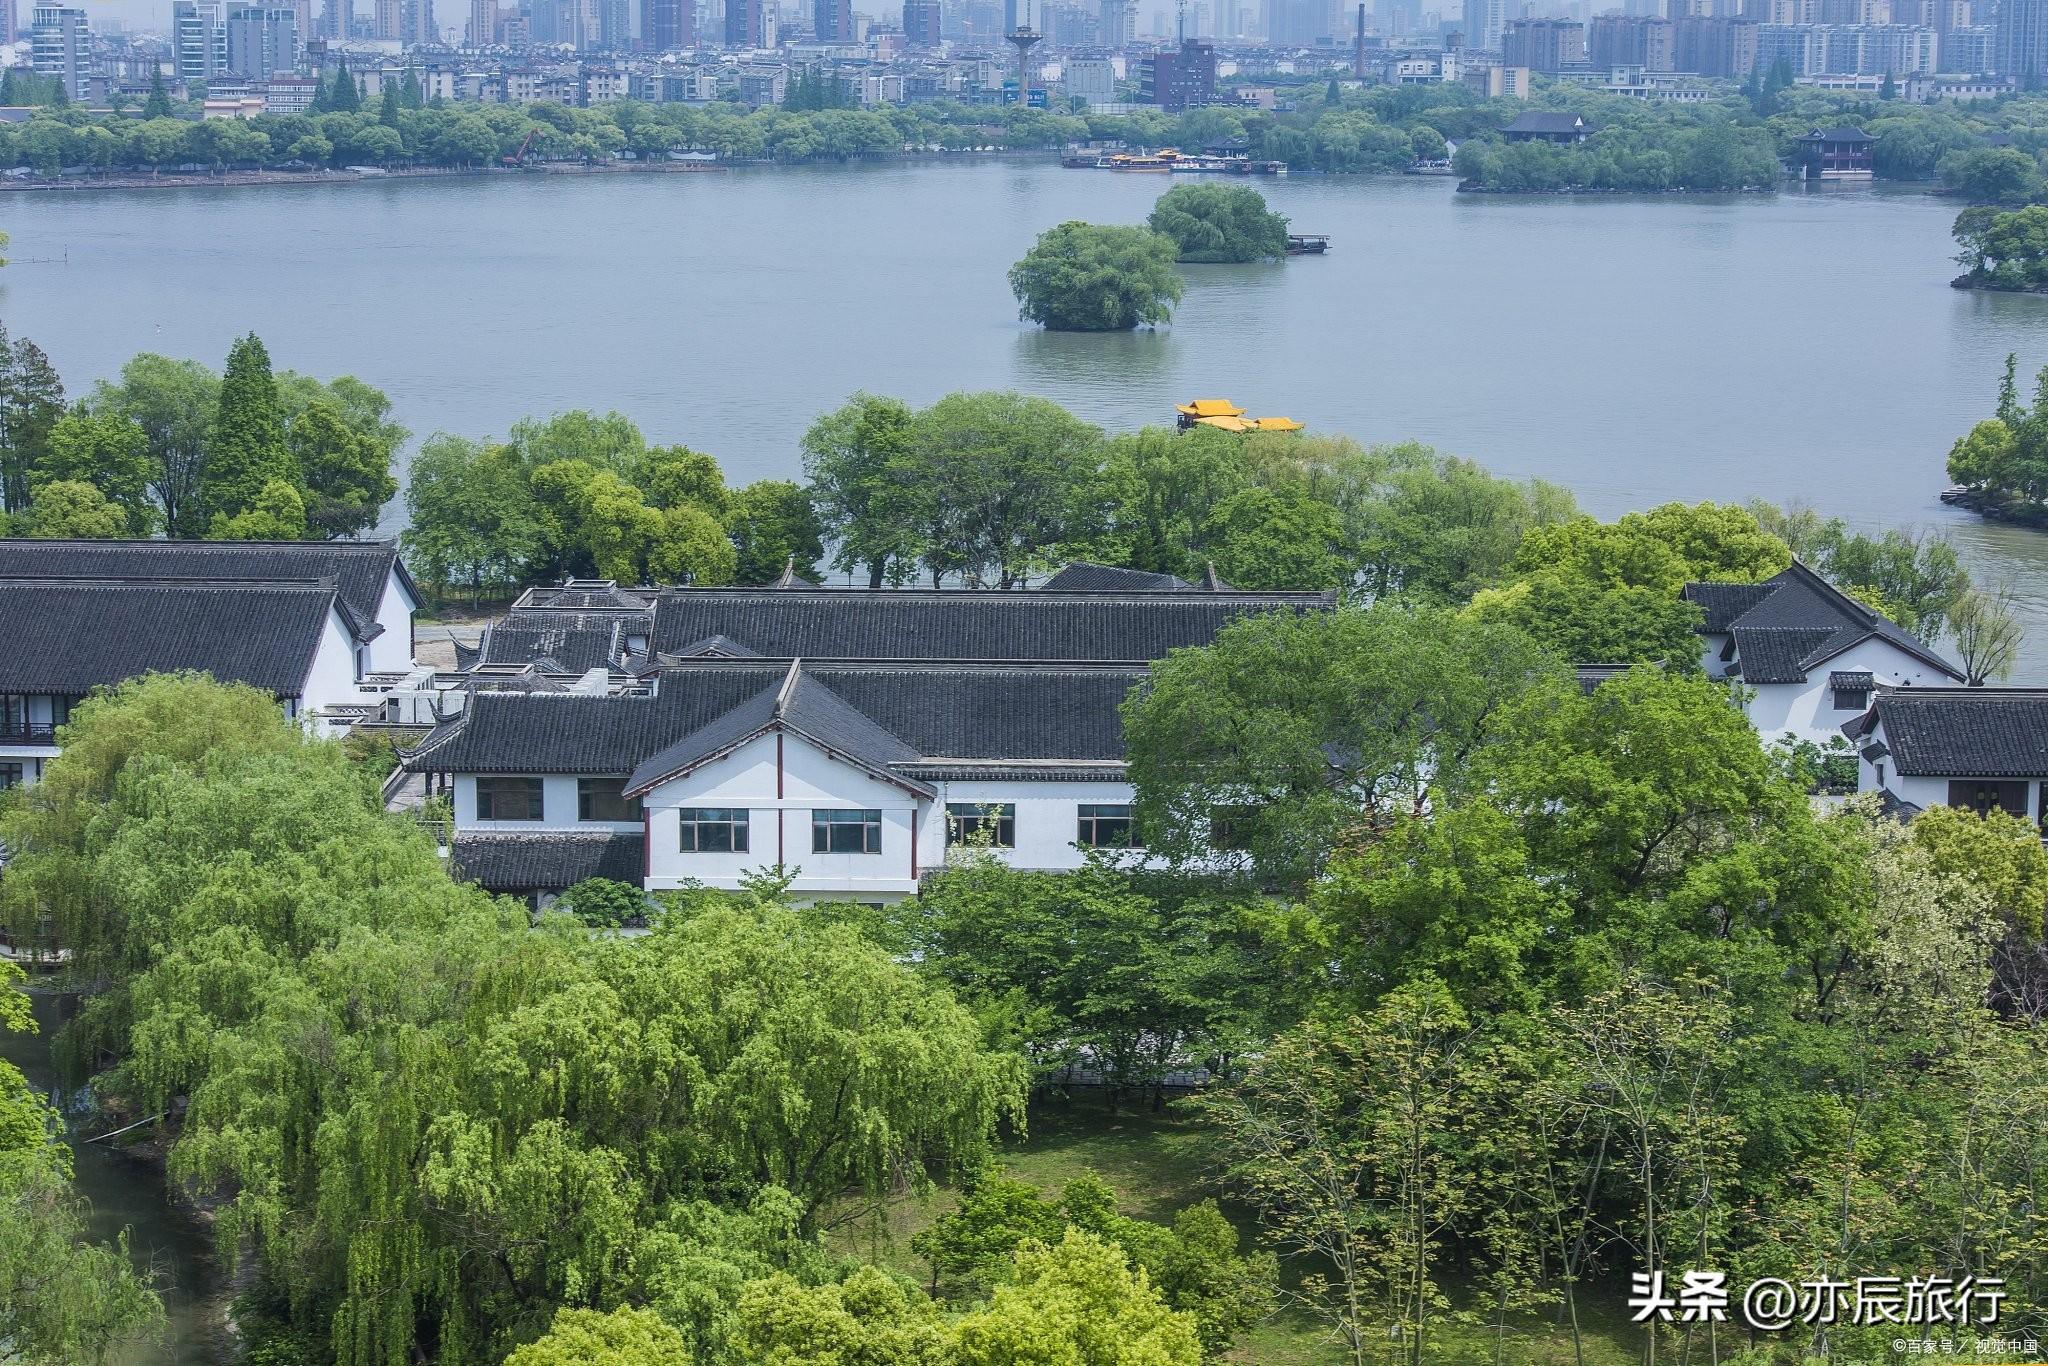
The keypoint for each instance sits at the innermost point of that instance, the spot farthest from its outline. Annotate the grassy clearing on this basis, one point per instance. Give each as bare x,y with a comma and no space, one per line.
1159,1164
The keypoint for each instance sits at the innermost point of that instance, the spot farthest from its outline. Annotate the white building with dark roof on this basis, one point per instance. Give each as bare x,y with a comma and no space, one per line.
1977,748
372,579
307,622
1809,655
847,736
299,641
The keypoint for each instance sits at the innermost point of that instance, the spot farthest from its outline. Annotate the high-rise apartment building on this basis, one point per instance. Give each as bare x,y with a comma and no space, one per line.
262,41
60,45
1544,44
416,26
1485,21
337,17
2020,44
9,26
1630,40
199,39
1716,47
667,25
746,23
832,20
483,23
922,22
1114,23
1297,23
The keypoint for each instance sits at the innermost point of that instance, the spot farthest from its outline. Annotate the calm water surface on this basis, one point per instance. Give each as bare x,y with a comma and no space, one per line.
1796,347
168,1243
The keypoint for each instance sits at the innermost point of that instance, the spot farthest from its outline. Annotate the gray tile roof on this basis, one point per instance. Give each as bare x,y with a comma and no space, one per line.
360,568
71,635
575,642
1083,576
551,862
1544,121
1797,620
801,704
1724,602
1965,732
903,624
881,714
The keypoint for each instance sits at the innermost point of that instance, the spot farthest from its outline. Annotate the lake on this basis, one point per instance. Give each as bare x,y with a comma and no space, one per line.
1803,346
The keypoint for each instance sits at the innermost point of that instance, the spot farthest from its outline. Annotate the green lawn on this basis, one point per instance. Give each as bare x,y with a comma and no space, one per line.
1159,1163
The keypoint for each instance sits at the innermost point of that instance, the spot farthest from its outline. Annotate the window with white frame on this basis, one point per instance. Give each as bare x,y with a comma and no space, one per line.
713,829
991,825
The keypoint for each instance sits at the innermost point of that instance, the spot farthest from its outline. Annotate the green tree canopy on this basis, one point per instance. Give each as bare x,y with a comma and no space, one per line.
1219,223
1083,277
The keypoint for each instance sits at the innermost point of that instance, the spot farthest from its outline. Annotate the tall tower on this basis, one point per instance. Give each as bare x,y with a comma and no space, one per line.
1023,38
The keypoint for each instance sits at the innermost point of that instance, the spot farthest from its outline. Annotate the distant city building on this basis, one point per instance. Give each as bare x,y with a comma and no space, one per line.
832,20
289,94
1630,40
746,25
1498,82
10,29
1970,50
1716,47
1113,23
1549,45
60,45
1180,78
337,17
1485,21
922,23
199,39
2021,46
261,41
1296,23
416,23
1090,78
669,25
483,23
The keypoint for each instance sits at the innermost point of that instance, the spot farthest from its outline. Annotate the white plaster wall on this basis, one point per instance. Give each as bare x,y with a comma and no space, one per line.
1047,817
392,651
1808,709
779,828
332,676
558,810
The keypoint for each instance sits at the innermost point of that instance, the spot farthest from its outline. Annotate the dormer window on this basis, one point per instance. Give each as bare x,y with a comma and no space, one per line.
1851,690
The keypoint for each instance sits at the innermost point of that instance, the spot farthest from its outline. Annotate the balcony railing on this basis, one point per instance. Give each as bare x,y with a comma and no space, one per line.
27,732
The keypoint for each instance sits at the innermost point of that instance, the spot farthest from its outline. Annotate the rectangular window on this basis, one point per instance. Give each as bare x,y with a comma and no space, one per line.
1988,795
1852,699
983,824
1229,826
1108,826
10,776
713,829
508,799
602,799
846,832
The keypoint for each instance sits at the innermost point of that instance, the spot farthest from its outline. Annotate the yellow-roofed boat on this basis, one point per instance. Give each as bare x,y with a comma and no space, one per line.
1191,413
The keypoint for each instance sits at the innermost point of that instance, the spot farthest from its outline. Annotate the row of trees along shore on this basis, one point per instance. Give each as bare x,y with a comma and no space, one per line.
1533,989
1720,143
